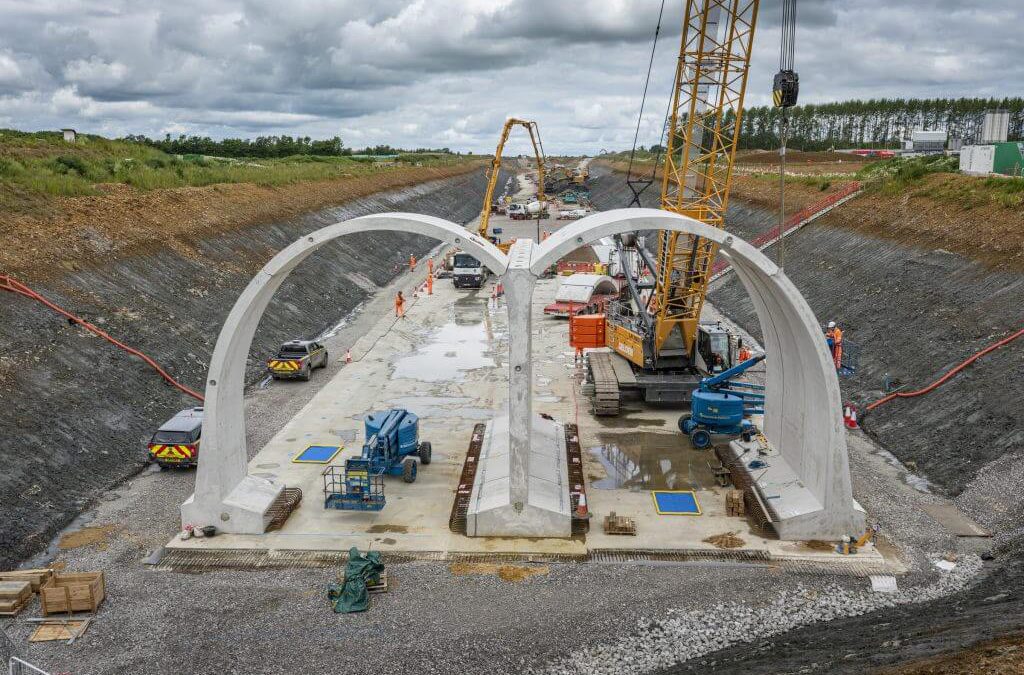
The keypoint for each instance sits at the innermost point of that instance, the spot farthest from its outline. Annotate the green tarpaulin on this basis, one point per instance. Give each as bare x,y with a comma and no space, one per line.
361,570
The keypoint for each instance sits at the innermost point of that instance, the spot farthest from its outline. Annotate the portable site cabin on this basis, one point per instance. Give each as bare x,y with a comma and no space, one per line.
1002,158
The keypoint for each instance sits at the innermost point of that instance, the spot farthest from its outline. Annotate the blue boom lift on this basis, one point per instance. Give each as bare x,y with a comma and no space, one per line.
720,406
392,447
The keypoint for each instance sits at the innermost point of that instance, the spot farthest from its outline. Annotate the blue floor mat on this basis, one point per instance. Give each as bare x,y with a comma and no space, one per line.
317,454
680,503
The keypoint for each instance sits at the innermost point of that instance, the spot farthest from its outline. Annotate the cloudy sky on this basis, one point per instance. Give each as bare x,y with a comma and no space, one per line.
448,72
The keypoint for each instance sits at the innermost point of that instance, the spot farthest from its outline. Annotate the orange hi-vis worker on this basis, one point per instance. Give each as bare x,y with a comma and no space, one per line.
412,263
835,335
400,305
430,284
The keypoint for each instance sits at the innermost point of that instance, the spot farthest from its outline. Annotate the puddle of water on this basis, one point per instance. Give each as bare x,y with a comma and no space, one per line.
651,461
448,353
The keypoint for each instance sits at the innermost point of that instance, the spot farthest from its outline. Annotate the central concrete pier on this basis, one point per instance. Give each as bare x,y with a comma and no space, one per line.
522,482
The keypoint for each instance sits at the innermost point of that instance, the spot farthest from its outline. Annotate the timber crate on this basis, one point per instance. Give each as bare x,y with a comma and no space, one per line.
67,593
14,595
35,577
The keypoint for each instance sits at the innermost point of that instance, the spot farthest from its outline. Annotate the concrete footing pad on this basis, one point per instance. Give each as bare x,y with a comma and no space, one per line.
243,511
794,511
547,512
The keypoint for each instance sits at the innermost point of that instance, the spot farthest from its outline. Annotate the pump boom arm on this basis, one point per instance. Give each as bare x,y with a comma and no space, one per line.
492,176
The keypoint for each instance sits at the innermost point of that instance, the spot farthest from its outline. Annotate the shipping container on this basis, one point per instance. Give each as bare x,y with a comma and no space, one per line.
1002,158
1009,159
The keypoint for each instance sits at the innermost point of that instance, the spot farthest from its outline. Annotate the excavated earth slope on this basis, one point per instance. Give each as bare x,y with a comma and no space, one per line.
80,410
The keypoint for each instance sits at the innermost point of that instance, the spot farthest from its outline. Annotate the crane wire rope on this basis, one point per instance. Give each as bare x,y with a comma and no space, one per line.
787,51
645,183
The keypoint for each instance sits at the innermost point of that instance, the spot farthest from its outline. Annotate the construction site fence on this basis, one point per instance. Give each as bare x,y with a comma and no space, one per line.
18,667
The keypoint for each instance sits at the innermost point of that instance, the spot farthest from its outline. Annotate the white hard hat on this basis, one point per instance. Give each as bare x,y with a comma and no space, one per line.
831,324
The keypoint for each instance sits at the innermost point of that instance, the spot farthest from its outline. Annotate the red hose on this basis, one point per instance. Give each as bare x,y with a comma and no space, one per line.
944,378
8,283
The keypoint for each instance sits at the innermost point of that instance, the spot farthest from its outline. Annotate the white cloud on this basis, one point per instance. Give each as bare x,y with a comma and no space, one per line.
448,72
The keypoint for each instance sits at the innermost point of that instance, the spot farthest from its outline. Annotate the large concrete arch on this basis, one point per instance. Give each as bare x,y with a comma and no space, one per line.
225,495
803,410
809,482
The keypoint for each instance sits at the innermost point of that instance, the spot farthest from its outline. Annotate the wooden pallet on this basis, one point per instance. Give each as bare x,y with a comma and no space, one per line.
57,629
614,524
379,587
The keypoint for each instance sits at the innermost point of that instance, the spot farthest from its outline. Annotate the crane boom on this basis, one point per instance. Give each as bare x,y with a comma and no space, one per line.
704,130
492,176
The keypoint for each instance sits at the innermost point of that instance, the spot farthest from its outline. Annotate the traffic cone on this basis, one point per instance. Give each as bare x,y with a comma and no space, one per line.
348,356
851,419
581,506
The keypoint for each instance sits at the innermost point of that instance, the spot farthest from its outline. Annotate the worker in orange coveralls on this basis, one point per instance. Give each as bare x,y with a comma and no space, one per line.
412,263
400,305
834,337
744,354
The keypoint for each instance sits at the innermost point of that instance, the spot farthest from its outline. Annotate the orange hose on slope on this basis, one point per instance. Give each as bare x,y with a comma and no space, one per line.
9,283
934,385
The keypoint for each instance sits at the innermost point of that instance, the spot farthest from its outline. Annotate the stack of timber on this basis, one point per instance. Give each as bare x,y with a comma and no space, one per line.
14,595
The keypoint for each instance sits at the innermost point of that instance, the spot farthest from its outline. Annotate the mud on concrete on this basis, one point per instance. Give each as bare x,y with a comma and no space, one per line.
80,411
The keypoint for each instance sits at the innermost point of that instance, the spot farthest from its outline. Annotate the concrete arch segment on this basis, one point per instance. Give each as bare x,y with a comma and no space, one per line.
225,495
802,415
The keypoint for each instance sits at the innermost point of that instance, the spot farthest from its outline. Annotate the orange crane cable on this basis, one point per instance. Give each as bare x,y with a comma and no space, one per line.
934,385
9,283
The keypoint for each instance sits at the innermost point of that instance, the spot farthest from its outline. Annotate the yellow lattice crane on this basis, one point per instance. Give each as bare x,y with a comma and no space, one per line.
492,176
661,329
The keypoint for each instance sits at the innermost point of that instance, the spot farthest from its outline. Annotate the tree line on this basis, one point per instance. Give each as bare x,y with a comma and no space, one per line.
267,146
874,123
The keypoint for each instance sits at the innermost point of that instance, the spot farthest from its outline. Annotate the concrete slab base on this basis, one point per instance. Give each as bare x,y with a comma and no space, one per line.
492,512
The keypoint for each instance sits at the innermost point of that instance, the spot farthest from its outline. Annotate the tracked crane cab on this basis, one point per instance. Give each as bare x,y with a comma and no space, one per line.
715,351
